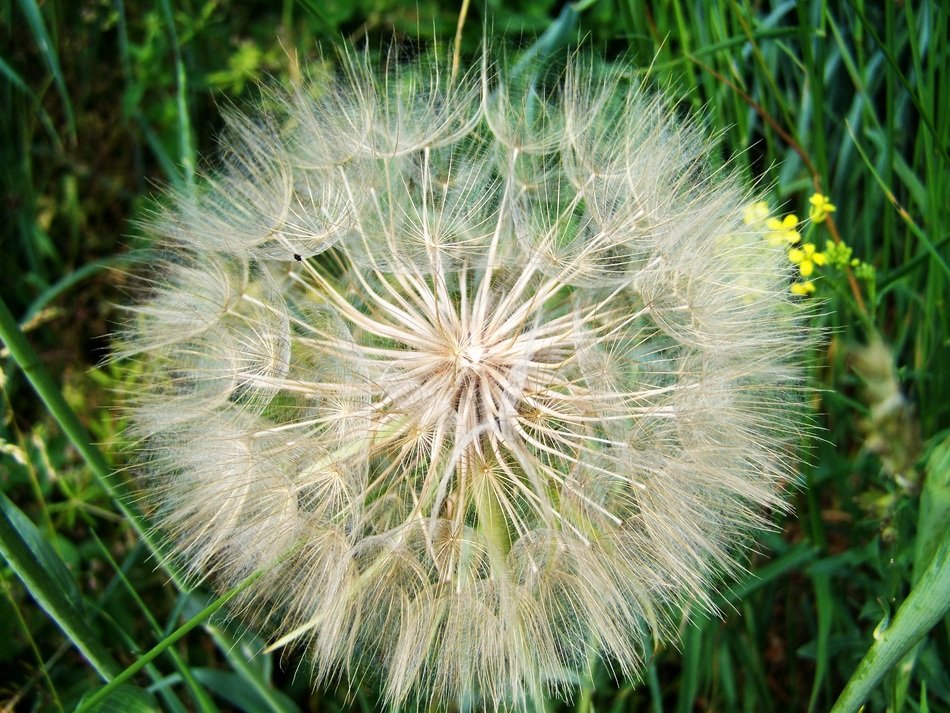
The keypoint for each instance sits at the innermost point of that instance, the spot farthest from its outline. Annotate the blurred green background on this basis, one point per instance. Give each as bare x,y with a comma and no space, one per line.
107,101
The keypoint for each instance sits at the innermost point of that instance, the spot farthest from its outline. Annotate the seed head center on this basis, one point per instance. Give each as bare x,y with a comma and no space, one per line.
470,356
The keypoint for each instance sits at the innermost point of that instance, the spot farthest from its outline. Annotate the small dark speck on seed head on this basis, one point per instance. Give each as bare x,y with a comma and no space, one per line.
297,257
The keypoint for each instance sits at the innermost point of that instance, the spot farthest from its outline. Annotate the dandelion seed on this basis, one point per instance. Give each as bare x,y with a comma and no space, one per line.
485,393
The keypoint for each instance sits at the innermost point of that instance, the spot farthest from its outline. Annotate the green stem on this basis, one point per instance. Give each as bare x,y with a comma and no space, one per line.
491,520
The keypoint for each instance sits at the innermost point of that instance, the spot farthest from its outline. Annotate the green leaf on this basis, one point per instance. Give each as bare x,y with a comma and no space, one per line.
934,507
927,603
123,699
237,691
34,19
90,703
43,553
49,392
50,584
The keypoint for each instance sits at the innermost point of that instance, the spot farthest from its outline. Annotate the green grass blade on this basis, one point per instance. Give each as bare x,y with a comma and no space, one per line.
34,18
17,82
796,558
54,569
149,656
7,71
41,571
896,69
26,358
200,696
934,507
186,150
905,216
232,650
558,34
48,391
71,279
694,662
237,691
927,603
823,607
124,699
899,273
154,142
243,654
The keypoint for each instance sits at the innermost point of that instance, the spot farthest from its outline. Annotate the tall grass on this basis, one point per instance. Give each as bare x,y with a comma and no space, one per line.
102,101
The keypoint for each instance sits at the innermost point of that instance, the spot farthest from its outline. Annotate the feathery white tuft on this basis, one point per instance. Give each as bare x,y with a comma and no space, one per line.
489,380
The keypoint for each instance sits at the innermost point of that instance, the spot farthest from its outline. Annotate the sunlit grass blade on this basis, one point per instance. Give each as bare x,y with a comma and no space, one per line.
934,507
930,557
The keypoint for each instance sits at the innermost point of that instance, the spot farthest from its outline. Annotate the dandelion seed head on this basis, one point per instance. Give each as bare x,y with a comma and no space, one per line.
488,379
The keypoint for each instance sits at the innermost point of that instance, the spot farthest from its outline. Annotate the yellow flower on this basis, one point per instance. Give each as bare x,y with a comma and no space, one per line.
755,213
806,258
783,232
803,288
820,207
